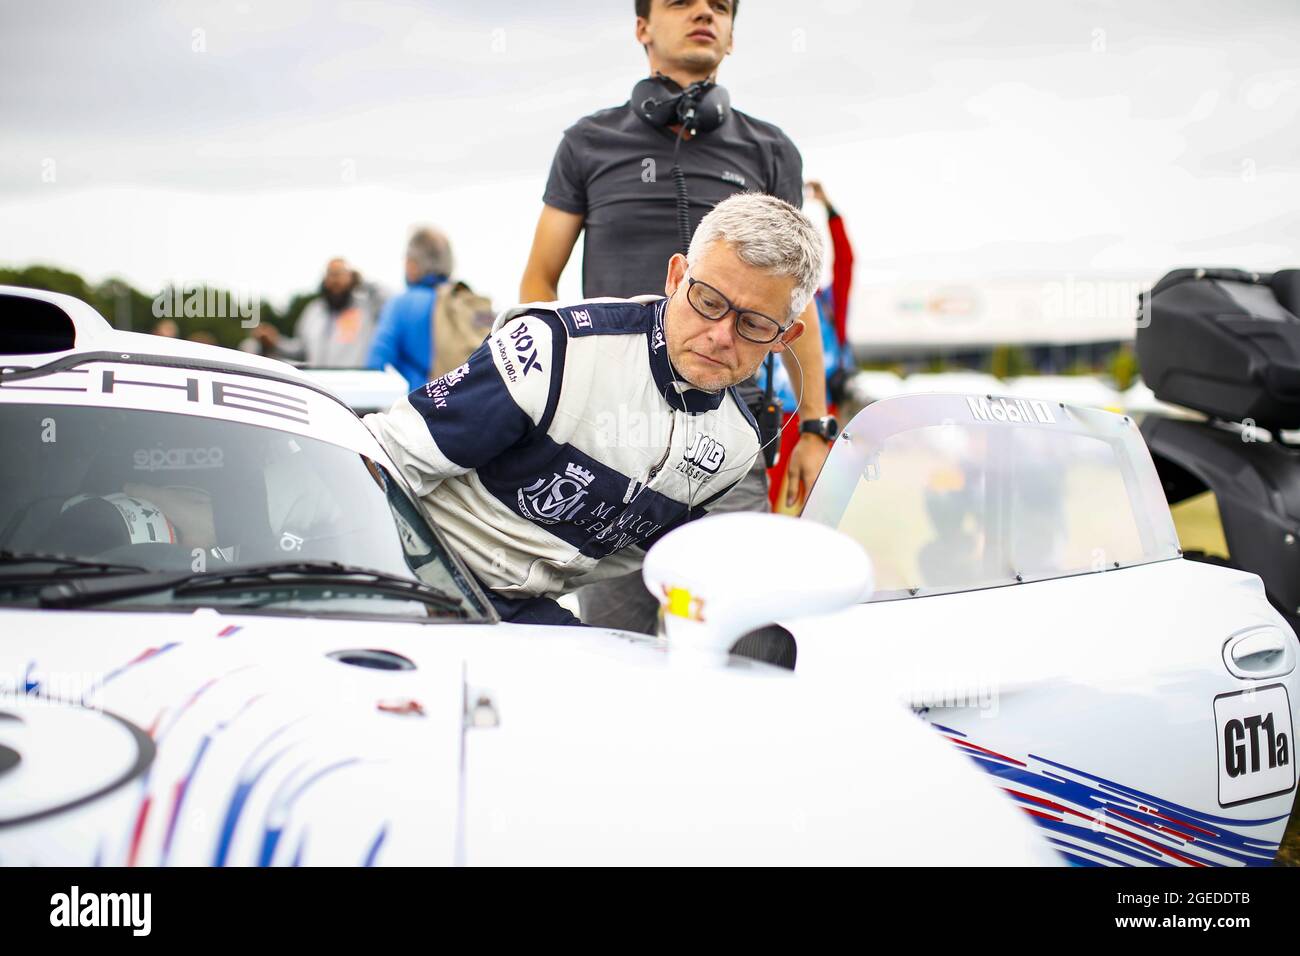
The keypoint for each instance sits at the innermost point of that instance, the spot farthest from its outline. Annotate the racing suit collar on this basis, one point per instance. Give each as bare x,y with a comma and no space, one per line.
676,391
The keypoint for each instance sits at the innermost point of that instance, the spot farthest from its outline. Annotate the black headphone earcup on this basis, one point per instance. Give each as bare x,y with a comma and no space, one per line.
712,109
655,101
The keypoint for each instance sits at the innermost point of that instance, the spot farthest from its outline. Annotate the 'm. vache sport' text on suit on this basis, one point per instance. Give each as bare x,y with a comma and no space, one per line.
567,439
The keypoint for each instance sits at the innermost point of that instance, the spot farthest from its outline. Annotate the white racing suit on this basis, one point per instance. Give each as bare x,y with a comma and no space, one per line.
565,443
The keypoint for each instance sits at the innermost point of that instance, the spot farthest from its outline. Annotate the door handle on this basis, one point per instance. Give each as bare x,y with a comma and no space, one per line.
1256,652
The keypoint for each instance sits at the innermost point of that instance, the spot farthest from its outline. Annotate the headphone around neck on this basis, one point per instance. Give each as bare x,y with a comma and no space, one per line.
701,108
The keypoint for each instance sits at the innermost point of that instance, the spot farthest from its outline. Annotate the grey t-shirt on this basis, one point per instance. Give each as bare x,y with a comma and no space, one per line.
614,169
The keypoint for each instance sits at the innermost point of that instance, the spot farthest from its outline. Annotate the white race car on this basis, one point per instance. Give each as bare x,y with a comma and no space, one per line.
228,636
1033,606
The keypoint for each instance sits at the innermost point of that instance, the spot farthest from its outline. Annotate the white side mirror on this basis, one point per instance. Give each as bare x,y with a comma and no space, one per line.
722,577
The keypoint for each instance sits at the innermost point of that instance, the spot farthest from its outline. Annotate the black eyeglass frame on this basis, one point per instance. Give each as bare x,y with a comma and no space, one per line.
692,282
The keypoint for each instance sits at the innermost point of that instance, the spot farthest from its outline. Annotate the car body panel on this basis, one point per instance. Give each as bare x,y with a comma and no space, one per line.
607,749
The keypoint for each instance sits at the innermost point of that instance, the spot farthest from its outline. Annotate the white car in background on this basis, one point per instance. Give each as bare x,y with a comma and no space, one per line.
229,637
362,390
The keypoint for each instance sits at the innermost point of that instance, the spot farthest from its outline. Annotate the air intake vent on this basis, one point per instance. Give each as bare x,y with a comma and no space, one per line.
376,660
33,327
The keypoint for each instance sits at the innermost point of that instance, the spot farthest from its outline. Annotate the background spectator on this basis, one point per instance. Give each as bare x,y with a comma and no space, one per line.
436,323
334,330
404,337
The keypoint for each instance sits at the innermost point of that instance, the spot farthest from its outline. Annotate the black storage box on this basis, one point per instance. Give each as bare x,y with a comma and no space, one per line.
1224,342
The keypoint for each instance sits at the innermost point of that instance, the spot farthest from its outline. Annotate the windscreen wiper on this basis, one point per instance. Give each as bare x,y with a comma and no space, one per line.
61,564
81,592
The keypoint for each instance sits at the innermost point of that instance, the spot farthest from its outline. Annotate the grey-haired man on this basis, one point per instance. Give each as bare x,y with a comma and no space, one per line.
577,435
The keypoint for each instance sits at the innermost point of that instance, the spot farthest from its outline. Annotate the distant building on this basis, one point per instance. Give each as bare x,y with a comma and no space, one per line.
1060,321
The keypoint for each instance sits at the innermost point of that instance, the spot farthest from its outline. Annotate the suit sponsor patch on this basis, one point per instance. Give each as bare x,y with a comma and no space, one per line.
555,499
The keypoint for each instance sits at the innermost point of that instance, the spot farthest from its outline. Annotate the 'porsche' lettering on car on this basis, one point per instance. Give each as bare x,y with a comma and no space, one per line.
249,398
1011,411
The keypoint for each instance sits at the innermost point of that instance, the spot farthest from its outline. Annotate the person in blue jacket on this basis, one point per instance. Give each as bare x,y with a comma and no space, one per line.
404,336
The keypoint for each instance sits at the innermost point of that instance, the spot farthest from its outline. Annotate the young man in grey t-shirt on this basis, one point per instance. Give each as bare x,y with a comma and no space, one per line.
610,178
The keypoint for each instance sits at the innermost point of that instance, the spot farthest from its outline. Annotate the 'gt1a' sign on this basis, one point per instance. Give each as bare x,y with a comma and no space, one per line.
1253,728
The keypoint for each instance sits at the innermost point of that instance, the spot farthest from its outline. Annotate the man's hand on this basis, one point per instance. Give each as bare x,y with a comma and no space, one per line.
267,334
806,462
805,364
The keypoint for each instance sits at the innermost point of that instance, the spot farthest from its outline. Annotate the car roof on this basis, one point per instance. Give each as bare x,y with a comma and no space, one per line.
93,333
93,338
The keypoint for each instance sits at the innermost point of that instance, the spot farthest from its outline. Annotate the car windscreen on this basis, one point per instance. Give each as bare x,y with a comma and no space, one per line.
954,493
170,492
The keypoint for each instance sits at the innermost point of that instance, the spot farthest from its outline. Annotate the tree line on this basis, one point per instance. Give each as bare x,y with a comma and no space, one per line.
127,308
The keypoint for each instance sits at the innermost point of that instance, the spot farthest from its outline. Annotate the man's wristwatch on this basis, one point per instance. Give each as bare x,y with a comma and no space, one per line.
826,427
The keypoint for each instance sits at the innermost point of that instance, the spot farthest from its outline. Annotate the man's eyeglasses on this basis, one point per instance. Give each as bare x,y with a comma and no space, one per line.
713,305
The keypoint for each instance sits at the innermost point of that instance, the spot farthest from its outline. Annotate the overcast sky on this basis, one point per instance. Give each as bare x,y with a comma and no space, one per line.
246,142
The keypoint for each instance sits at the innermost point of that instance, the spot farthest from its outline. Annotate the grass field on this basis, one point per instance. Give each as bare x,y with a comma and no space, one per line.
1289,854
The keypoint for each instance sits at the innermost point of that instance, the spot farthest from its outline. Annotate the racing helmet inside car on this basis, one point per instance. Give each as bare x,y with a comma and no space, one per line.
225,460
93,524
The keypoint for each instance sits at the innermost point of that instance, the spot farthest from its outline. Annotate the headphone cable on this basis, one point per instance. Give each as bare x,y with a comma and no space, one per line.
683,203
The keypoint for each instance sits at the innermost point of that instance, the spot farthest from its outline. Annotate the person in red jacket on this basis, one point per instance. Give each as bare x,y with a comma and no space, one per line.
833,309
841,265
